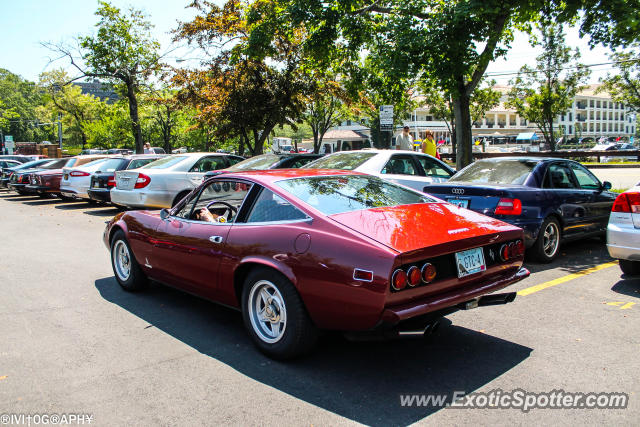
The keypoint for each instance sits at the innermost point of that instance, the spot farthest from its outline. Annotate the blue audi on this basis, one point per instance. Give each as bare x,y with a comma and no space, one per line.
553,200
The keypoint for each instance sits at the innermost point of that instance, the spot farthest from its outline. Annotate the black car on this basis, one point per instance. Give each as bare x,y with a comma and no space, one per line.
269,161
20,178
103,181
7,172
553,200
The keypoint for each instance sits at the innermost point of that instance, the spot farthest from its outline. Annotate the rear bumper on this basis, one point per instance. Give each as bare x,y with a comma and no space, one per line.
623,241
451,301
20,187
100,194
142,199
75,192
41,189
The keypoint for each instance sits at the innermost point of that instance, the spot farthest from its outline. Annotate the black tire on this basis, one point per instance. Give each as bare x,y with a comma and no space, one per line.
632,268
136,279
298,334
43,195
92,202
544,250
179,197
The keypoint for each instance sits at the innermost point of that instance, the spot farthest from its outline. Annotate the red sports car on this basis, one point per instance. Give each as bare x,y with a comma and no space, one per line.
300,250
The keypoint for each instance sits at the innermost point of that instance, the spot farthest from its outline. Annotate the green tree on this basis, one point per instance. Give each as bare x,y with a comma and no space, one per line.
66,98
541,93
19,99
122,52
625,86
112,129
240,95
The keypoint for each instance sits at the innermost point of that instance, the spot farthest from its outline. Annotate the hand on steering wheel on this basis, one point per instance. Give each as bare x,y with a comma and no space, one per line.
225,217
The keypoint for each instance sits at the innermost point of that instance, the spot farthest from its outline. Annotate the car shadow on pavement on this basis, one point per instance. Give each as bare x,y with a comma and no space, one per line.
75,205
574,256
41,202
105,212
360,381
19,197
628,285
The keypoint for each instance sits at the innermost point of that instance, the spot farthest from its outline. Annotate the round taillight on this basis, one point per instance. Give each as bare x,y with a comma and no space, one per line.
428,273
399,280
504,252
519,248
512,250
414,276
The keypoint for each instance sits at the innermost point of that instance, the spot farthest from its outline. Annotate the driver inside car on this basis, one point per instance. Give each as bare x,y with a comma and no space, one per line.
205,215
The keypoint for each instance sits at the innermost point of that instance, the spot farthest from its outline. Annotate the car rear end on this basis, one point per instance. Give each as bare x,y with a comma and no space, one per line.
101,186
623,231
76,180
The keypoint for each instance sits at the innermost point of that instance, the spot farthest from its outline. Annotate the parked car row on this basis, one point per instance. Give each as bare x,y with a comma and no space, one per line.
417,240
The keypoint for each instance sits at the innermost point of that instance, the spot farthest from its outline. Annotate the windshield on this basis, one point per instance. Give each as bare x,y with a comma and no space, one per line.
344,161
496,172
264,161
32,163
336,194
165,162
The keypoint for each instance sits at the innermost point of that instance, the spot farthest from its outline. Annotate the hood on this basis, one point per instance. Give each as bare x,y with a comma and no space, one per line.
410,227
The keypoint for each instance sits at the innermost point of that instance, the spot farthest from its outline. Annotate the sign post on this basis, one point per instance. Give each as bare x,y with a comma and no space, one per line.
386,122
9,144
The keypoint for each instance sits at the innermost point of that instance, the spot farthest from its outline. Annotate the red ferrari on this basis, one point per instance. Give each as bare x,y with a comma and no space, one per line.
301,250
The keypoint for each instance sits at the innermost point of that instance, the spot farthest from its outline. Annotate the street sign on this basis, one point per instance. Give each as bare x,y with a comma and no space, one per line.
9,144
386,117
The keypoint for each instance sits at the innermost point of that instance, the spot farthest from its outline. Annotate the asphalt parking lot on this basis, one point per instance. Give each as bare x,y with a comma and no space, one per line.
72,341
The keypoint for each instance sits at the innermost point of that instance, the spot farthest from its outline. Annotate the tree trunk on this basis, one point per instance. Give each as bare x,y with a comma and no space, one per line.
464,154
84,139
552,140
135,119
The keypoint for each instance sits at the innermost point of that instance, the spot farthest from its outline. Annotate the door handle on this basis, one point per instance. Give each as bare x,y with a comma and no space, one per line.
215,239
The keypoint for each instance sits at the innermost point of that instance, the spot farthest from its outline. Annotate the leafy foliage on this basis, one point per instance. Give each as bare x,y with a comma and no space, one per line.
543,92
625,86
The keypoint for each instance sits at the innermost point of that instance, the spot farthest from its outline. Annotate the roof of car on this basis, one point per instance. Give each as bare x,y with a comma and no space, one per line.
272,175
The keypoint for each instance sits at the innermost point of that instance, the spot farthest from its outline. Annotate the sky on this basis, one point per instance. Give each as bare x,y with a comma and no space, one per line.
28,23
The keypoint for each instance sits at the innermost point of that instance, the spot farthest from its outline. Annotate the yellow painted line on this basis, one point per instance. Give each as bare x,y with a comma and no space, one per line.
563,279
627,305
3,377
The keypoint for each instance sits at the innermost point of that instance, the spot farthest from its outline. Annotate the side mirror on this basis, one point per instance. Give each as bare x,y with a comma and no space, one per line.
164,214
606,186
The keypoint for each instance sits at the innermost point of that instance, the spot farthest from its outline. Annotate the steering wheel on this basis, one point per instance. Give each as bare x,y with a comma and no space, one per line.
232,210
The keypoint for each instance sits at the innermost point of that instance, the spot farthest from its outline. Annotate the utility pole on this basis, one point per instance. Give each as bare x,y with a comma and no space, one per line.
60,130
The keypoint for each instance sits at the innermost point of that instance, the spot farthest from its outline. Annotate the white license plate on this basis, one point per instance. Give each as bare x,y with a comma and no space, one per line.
470,262
462,203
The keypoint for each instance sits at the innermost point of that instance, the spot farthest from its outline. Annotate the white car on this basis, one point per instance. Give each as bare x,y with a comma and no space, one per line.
408,168
623,231
163,183
76,181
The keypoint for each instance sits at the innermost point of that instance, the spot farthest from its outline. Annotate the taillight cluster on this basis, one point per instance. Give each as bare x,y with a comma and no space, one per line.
511,250
413,276
508,207
142,181
111,182
627,202
79,173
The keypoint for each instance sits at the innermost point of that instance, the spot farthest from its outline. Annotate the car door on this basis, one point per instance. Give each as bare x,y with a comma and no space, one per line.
567,198
269,229
192,248
403,169
600,201
433,169
204,165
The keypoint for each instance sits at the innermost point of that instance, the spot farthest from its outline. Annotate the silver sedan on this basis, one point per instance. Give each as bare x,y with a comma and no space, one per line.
408,168
163,183
623,231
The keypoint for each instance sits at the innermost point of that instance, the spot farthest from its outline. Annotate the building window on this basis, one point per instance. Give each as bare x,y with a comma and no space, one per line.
610,115
615,127
597,115
570,117
597,127
610,127
570,131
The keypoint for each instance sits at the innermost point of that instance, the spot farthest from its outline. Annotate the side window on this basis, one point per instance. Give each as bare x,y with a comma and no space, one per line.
207,164
298,163
224,199
233,160
585,178
559,176
400,165
271,207
433,168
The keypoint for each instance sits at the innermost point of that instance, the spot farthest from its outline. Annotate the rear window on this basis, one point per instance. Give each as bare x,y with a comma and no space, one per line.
165,162
256,163
108,165
500,172
336,194
138,163
344,161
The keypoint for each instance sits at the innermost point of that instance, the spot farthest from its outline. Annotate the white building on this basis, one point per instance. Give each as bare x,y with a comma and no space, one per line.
593,114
